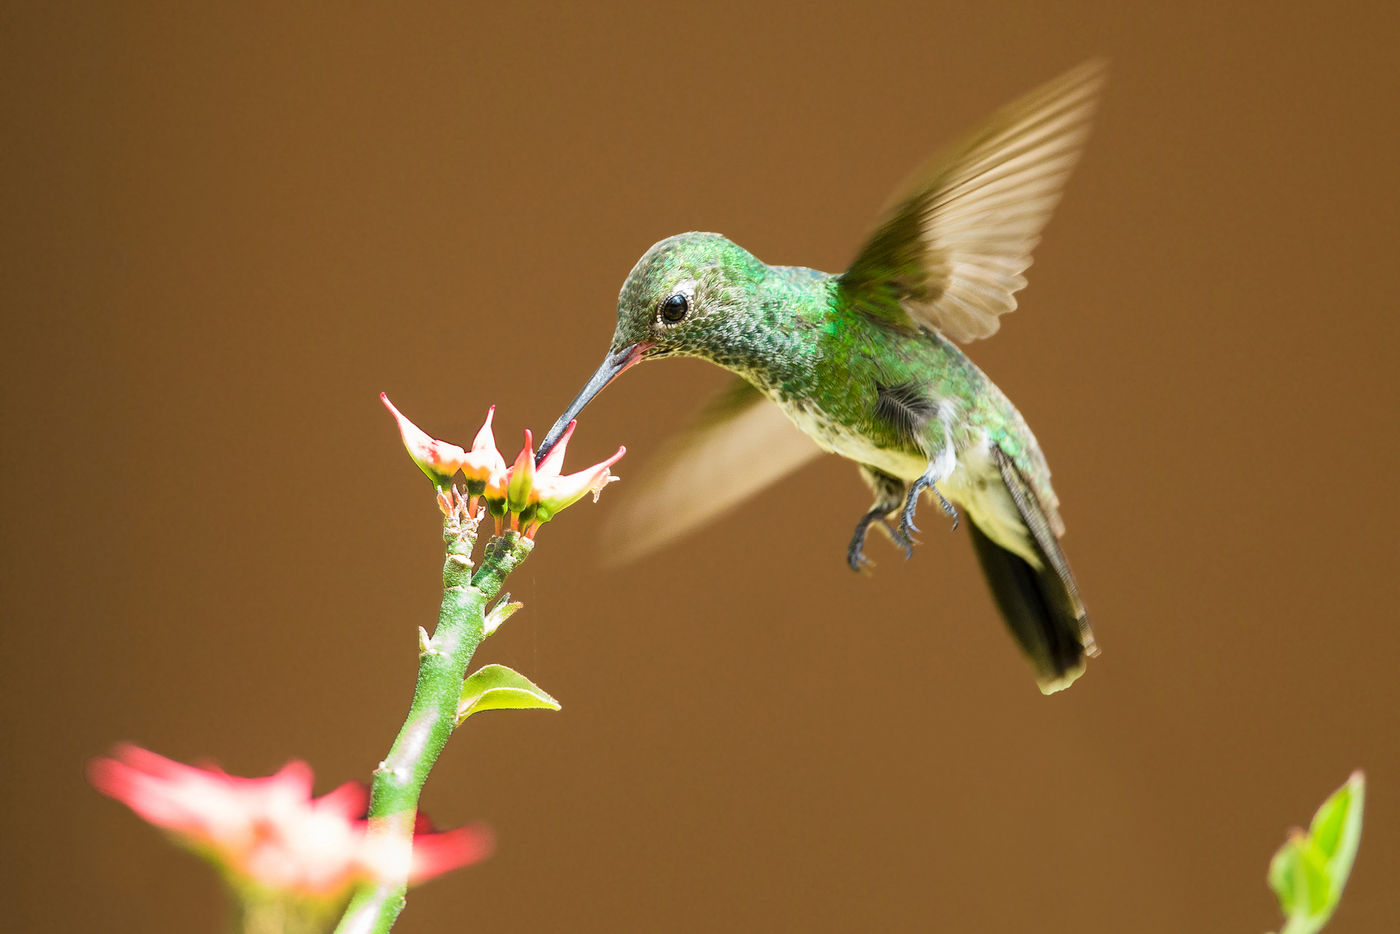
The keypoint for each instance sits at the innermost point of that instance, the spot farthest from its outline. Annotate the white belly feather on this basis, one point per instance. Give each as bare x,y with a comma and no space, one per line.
975,482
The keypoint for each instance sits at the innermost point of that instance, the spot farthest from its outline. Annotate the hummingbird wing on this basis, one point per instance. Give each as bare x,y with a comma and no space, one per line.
951,251
738,445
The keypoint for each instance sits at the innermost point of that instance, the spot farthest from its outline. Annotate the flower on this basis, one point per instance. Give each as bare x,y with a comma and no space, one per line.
529,495
536,494
554,493
520,487
438,459
270,834
484,467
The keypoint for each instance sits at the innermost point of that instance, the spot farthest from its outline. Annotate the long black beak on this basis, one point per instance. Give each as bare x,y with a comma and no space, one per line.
612,368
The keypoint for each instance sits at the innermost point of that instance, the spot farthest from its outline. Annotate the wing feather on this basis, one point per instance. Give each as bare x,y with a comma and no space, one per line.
740,444
952,251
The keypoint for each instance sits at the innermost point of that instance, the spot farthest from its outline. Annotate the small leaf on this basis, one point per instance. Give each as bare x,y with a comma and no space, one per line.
496,687
1283,873
1310,870
1318,898
1336,828
1298,876
502,611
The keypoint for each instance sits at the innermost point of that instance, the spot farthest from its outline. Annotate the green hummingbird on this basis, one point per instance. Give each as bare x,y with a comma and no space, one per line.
865,365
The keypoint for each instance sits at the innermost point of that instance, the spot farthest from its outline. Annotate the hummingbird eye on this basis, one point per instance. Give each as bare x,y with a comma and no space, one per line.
675,308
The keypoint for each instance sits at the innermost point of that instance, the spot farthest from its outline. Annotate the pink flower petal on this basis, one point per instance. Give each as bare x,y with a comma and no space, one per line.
485,440
435,854
557,493
348,801
554,461
438,459
270,831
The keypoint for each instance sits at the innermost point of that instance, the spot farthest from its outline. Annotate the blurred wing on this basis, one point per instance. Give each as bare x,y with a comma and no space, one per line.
951,252
740,444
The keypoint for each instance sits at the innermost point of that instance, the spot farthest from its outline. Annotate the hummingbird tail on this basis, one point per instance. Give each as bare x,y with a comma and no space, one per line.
1041,605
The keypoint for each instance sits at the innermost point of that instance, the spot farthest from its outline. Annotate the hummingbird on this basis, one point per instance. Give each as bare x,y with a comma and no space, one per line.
867,365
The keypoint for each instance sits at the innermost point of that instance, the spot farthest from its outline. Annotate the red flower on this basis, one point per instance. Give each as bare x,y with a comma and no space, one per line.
269,832
530,495
438,459
554,492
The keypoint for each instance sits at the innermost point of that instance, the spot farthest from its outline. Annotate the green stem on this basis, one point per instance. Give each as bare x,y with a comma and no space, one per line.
273,911
432,716
1299,924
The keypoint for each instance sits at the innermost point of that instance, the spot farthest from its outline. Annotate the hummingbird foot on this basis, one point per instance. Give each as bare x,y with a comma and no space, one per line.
949,509
899,538
855,552
889,493
911,502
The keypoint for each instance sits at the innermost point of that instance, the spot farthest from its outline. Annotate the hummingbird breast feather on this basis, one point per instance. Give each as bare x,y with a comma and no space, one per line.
904,462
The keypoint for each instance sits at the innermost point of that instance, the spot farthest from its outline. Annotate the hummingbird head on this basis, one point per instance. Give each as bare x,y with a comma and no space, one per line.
688,296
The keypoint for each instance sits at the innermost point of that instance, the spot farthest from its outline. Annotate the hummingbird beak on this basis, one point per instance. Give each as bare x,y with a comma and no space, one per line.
613,365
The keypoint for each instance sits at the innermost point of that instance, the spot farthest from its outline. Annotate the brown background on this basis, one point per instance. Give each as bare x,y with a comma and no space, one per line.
226,232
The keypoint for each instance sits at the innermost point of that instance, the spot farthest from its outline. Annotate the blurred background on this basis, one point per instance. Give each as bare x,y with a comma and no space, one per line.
227,229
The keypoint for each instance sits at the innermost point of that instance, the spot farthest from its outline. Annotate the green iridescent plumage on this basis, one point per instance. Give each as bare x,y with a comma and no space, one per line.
864,364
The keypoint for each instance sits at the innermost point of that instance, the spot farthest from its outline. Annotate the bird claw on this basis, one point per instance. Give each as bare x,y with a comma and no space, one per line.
855,552
911,502
948,508
898,536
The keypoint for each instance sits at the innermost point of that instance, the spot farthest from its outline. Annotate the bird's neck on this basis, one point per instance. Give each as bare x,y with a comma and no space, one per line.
784,339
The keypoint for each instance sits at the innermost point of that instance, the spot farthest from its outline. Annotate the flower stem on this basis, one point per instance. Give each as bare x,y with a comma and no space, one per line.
278,912
432,716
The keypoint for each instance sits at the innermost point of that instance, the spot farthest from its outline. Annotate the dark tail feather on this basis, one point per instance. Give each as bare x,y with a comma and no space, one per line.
1041,605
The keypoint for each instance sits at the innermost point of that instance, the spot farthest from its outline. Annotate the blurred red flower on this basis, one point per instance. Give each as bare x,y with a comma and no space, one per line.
270,832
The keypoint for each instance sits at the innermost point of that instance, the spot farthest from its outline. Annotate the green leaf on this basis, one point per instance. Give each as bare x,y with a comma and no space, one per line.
1336,828
502,611
1283,874
1317,894
1310,870
496,687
